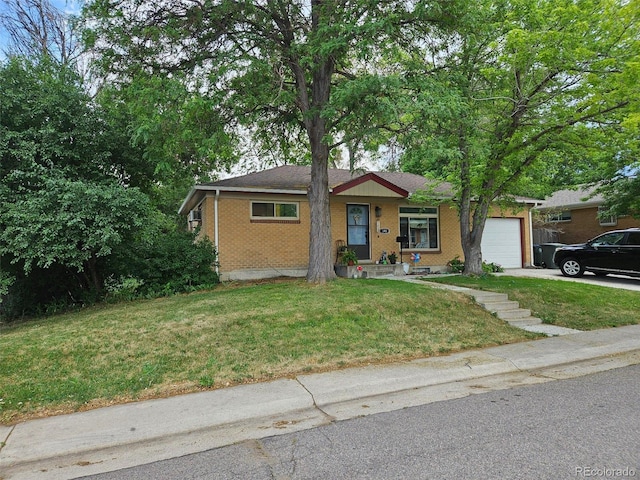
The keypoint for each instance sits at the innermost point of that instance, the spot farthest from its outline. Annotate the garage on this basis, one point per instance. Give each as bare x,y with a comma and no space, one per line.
502,242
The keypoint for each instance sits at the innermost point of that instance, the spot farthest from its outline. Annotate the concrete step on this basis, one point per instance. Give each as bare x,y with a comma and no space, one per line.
499,306
523,322
486,297
513,314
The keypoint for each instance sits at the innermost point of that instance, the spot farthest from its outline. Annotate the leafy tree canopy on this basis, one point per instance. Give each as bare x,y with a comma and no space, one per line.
540,92
68,222
65,198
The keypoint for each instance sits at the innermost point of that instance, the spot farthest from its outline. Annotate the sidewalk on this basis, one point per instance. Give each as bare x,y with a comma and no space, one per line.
121,436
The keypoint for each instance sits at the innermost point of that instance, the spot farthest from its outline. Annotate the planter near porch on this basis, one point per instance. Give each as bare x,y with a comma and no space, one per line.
369,271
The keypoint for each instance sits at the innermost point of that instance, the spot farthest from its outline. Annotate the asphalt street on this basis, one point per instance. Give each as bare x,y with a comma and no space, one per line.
585,427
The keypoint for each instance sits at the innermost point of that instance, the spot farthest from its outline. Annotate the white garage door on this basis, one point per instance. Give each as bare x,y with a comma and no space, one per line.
501,242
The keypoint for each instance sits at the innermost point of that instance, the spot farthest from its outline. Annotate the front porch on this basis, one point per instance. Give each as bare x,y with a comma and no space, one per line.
374,270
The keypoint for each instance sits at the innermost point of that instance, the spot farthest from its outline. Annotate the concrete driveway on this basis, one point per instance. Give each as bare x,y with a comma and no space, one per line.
613,281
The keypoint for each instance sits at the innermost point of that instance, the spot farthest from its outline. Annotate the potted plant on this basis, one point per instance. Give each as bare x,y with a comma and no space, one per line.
349,257
393,258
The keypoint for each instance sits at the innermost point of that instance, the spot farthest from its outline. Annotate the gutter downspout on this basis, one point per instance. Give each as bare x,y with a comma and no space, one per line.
215,226
531,252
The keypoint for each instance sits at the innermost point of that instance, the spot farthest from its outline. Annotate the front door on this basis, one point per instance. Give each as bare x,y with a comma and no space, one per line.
358,230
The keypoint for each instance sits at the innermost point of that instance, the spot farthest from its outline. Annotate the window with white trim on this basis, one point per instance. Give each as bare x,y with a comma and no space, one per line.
274,210
605,218
563,216
420,226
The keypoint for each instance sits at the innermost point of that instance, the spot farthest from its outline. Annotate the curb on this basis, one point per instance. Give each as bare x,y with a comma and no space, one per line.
122,436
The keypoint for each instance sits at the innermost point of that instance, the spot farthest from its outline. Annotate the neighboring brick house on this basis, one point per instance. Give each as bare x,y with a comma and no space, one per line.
573,216
260,222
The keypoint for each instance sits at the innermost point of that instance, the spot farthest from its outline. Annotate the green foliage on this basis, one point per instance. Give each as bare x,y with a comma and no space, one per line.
74,203
68,222
457,266
623,195
45,291
5,282
536,89
123,288
163,262
348,256
178,133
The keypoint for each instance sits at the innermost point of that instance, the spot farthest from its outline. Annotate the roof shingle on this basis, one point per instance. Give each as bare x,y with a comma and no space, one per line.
294,177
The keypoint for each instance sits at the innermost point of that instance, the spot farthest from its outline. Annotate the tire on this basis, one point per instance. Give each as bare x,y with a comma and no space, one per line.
570,267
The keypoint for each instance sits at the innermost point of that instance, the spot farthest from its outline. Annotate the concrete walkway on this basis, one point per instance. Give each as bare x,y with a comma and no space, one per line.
111,438
502,307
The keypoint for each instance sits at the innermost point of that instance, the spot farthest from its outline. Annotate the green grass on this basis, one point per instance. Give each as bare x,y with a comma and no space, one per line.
233,334
566,304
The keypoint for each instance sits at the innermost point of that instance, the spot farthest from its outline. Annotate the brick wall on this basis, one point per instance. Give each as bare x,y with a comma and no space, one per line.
245,245
584,225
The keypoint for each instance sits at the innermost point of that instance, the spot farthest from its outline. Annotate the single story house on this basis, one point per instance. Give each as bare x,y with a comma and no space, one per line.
575,216
260,222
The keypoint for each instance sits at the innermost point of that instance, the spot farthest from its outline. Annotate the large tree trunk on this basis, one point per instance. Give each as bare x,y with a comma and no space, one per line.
320,268
472,222
472,254
320,245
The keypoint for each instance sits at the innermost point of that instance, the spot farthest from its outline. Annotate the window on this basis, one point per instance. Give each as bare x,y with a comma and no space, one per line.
633,238
420,225
613,238
277,210
606,219
564,216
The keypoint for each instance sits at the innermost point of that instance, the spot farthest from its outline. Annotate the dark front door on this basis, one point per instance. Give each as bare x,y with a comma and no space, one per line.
358,230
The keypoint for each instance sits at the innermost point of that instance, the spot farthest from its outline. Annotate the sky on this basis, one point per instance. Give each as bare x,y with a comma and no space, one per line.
66,6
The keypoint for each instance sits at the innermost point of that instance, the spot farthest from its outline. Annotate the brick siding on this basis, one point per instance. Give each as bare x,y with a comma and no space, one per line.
246,245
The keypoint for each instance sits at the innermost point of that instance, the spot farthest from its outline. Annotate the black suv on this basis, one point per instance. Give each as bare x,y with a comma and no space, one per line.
612,252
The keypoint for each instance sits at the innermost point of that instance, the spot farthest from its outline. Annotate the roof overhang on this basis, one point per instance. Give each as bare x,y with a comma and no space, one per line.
570,206
197,193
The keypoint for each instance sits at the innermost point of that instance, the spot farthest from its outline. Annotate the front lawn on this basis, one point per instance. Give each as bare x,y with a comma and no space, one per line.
233,334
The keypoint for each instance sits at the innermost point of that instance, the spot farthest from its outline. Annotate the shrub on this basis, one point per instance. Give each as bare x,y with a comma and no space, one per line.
160,264
166,263
457,266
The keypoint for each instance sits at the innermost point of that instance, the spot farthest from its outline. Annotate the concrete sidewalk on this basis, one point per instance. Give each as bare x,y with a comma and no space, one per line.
107,439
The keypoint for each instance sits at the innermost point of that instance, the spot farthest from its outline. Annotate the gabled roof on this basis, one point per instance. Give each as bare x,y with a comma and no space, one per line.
293,179
568,199
363,185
